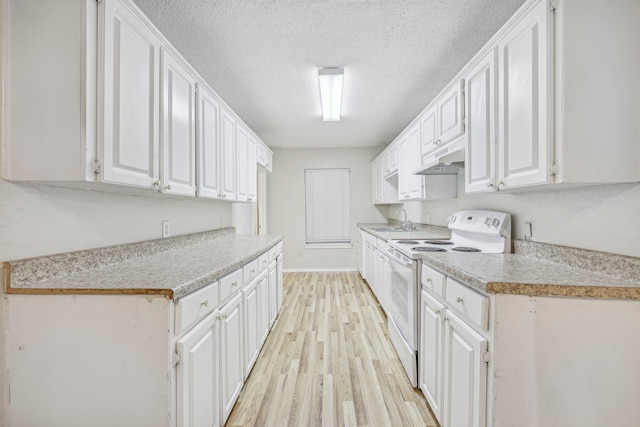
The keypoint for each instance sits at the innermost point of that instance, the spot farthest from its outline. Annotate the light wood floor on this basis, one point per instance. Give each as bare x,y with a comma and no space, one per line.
328,361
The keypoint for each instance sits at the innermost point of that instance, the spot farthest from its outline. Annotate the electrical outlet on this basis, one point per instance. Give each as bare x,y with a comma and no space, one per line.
166,231
299,253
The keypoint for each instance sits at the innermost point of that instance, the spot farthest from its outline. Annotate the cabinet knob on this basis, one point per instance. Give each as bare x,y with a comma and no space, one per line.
168,187
459,299
438,312
205,303
234,284
156,183
429,280
490,184
500,184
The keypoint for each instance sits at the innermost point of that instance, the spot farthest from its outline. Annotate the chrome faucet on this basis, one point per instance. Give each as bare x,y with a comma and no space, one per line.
406,225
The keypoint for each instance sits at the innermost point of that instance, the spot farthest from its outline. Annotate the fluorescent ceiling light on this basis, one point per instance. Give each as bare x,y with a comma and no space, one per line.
331,80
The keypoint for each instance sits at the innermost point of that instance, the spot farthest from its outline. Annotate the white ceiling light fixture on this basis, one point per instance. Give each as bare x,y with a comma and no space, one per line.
331,81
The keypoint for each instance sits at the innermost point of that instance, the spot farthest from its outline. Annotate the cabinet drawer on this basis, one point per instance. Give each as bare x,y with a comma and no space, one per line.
195,306
263,260
472,305
433,280
278,248
230,284
250,271
273,253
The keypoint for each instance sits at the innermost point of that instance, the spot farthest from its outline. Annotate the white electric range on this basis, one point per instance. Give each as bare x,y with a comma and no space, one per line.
472,232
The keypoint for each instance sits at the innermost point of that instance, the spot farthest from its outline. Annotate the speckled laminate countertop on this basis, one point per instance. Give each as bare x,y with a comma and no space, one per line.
173,270
518,274
428,232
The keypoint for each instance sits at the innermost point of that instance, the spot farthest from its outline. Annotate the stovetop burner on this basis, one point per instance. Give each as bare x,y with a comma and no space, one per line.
408,242
439,242
465,249
428,249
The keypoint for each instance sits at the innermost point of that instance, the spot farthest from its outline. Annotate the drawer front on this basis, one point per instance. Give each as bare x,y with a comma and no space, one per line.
263,261
278,248
433,280
250,271
273,253
195,306
230,284
472,305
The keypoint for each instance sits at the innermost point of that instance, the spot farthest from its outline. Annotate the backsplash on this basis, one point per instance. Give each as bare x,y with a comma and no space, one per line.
620,266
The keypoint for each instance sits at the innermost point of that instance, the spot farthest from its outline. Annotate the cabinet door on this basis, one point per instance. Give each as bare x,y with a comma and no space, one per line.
231,363
451,113
378,275
431,352
523,135
242,154
391,160
411,160
178,145
252,324
465,383
252,170
280,281
428,123
375,183
198,376
228,156
130,95
208,137
265,314
480,145
273,294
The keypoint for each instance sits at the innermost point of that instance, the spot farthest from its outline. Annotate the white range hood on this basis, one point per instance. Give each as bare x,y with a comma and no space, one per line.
445,156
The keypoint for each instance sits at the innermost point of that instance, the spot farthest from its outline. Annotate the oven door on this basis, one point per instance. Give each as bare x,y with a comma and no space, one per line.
403,296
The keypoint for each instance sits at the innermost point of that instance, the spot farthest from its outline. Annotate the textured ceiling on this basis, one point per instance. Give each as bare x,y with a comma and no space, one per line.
261,57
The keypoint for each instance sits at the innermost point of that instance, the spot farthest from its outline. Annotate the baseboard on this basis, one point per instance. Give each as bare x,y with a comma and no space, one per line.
305,270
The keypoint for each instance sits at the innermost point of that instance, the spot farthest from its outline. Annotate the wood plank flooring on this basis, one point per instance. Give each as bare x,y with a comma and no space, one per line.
328,362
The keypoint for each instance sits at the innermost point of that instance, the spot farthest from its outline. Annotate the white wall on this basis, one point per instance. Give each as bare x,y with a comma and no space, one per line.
604,218
286,202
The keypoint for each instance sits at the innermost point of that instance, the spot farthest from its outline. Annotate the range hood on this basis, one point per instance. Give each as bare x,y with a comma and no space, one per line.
445,160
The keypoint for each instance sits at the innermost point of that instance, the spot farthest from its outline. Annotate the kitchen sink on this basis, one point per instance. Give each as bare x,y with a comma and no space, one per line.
388,229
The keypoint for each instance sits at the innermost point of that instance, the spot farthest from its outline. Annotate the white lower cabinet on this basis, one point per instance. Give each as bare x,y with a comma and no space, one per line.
453,355
272,283
231,360
252,323
198,375
431,352
280,281
465,375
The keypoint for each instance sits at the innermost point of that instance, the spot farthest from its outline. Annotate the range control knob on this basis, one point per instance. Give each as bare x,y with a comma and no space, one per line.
495,222
487,222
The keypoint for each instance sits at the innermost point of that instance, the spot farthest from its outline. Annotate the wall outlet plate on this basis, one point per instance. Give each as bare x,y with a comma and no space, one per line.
166,231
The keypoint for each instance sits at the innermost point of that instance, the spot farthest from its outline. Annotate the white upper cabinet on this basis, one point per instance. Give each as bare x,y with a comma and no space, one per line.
117,104
265,157
481,114
391,160
410,187
443,120
228,156
178,147
242,150
524,93
252,169
129,130
208,137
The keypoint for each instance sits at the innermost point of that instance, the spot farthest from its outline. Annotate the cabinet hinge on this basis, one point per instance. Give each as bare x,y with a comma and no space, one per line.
552,6
486,357
553,169
96,166
176,358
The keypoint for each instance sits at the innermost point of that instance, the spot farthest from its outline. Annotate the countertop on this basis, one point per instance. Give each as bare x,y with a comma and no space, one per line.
429,232
519,274
172,271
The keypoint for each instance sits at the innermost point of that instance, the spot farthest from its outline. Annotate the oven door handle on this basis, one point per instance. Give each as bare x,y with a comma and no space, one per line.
393,255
